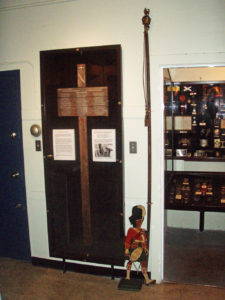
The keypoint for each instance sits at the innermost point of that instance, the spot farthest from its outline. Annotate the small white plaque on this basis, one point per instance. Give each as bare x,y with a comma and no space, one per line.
180,123
64,144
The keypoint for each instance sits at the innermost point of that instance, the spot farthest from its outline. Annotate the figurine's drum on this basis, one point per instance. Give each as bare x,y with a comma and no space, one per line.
136,254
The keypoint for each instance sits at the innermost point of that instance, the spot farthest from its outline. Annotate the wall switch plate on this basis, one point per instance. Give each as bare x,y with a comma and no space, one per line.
38,145
133,147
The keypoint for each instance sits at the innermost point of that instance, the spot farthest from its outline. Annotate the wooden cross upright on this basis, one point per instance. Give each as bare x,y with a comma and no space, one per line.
83,102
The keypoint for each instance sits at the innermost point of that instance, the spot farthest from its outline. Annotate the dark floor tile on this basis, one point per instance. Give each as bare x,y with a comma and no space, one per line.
195,257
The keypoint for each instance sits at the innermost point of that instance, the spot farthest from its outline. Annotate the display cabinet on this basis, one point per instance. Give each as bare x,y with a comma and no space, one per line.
195,191
195,121
195,131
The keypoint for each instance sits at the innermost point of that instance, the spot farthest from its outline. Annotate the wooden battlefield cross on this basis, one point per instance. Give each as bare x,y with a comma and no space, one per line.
83,102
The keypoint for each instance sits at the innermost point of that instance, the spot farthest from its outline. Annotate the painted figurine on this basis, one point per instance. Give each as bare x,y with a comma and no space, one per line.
136,243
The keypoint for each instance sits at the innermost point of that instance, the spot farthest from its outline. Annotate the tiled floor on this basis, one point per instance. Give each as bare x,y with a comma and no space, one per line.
22,281
192,256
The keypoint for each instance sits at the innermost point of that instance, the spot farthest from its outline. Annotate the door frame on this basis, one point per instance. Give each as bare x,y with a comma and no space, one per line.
157,64
163,215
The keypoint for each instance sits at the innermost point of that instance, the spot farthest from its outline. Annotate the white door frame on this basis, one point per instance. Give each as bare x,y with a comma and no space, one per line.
158,63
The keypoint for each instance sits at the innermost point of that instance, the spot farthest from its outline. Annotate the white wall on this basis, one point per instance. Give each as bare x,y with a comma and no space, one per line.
182,33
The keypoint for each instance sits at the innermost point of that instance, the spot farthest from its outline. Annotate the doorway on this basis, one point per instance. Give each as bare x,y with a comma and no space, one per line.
194,144
14,233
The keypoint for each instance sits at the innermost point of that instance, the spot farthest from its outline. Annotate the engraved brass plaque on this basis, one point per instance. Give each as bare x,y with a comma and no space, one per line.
83,102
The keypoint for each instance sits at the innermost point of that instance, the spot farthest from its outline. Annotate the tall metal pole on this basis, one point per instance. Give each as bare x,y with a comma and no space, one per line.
146,80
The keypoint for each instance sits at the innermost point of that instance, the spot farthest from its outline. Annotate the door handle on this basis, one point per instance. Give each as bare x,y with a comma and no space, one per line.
35,130
13,135
15,175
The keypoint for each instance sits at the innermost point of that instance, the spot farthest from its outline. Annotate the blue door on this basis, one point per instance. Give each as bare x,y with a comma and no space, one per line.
14,234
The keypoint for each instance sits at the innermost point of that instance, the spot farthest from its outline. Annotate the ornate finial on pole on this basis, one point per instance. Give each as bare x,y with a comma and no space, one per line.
146,20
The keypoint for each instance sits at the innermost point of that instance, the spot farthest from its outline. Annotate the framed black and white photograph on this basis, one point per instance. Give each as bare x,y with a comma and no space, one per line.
104,145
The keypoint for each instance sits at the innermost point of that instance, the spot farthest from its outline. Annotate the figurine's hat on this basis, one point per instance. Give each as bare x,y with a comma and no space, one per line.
138,213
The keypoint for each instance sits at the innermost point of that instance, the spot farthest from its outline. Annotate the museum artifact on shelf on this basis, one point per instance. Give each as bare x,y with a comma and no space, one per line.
195,191
195,131
195,121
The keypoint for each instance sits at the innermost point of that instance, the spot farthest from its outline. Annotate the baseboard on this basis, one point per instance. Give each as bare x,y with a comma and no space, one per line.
81,268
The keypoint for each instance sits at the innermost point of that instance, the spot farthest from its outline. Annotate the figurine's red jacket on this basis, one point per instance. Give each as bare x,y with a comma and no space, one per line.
135,237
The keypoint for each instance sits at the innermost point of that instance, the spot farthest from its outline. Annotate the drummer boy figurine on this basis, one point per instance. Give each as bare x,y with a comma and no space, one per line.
136,243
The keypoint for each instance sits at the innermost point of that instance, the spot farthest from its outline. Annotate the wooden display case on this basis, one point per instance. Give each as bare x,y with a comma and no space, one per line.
81,94
195,191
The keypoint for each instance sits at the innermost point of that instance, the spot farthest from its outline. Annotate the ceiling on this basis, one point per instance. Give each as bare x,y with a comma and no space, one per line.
203,74
15,4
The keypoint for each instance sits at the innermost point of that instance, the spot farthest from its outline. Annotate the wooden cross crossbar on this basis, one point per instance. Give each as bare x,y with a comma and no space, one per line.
83,102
